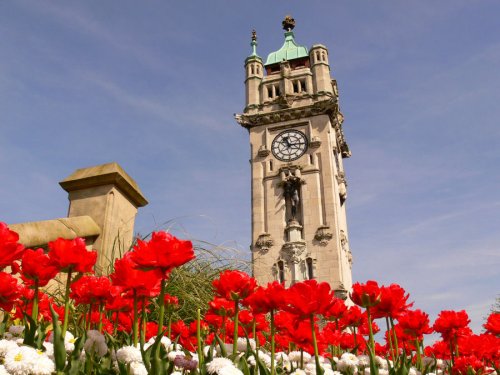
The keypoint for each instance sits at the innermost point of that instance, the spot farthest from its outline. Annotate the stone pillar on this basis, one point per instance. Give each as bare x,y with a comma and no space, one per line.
111,197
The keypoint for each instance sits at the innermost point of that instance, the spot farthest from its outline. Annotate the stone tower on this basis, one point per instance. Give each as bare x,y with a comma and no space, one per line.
299,190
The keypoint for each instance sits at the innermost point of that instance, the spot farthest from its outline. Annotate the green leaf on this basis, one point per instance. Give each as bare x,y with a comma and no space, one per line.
30,329
243,366
59,349
75,363
221,345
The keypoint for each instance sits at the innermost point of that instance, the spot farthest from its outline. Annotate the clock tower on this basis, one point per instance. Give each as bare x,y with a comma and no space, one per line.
299,189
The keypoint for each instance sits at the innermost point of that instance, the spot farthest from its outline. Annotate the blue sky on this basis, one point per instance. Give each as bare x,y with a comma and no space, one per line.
154,86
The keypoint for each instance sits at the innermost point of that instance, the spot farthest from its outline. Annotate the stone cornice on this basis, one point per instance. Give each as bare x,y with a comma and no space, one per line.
328,106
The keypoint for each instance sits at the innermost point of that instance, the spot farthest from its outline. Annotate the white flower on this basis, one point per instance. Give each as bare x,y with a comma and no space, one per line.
3,371
363,361
174,346
348,361
295,356
137,368
6,346
206,351
381,362
20,361
95,343
49,349
413,371
281,356
310,369
128,354
43,365
216,364
16,330
230,370
383,371
165,341
174,353
242,344
298,372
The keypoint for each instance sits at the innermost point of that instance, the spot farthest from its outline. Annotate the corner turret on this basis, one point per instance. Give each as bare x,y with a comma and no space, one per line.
254,74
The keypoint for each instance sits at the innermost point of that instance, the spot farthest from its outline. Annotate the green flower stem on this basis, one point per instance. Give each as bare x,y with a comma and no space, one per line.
115,324
355,339
88,323
235,334
419,357
370,330
169,327
143,321
254,332
101,308
302,359
315,344
198,341
66,304
135,324
161,303
389,338
272,343
34,310
396,344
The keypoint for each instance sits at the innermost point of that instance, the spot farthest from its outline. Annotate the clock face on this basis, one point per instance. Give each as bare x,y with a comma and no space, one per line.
289,145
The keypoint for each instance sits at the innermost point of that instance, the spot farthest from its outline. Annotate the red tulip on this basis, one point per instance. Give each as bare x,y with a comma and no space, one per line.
415,323
9,291
263,300
71,255
163,252
234,285
452,324
492,325
10,249
393,302
91,290
366,295
36,267
309,297
127,276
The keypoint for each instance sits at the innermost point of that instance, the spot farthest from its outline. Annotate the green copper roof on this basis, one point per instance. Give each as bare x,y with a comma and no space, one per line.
289,51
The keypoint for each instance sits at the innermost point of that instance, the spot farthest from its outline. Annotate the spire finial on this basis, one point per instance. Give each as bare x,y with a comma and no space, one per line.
253,43
288,23
254,35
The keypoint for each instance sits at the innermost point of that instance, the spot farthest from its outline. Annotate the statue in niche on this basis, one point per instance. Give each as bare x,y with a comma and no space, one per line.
291,183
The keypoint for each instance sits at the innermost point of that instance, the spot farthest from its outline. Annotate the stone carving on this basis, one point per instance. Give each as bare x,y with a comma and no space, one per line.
264,242
293,251
285,101
342,185
263,151
343,242
315,142
341,292
323,235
